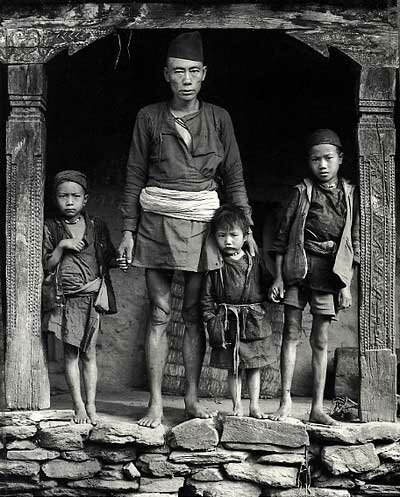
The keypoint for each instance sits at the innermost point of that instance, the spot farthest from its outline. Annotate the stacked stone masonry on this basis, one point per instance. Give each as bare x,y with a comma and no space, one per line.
43,454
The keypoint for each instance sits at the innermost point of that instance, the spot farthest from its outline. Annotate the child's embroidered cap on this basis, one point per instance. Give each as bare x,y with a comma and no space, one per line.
323,136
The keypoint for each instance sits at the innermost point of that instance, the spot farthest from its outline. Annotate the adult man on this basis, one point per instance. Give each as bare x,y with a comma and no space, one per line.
178,148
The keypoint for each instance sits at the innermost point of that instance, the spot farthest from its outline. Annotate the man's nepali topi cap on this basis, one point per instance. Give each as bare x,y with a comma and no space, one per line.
323,136
70,175
187,46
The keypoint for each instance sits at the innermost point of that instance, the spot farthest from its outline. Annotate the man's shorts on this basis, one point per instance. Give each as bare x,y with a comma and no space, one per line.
321,303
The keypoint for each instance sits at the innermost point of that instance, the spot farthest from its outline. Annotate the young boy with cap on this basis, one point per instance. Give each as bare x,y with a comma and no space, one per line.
316,246
77,255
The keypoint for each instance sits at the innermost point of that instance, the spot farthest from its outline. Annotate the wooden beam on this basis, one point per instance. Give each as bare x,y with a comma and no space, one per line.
26,378
376,135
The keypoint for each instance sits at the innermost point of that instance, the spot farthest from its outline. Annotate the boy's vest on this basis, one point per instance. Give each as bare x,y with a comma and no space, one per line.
295,260
102,249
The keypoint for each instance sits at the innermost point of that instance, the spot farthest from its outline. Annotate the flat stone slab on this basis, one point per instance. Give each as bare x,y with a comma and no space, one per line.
216,457
158,465
329,481
37,454
380,490
224,488
268,448
111,454
107,485
20,418
273,476
195,434
355,433
351,459
70,470
11,487
208,474
18,432
264,431
122,433
161,485
75,455
285,459
18,468
21,445
60,438
70,492
390,452
386,468
311,492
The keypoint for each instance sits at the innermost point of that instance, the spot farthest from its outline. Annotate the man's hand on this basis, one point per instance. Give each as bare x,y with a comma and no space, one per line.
277,291
344,298
125,250
74,244
253,249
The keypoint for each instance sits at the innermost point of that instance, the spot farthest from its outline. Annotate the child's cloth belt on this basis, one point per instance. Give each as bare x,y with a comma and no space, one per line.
192,206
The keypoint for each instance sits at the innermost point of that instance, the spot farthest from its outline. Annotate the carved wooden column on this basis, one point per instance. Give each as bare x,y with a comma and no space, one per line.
376,135
26,377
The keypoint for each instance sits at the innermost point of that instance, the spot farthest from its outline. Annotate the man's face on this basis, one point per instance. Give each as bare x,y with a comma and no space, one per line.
184,77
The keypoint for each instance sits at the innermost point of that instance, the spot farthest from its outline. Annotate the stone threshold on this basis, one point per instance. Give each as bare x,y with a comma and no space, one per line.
43,454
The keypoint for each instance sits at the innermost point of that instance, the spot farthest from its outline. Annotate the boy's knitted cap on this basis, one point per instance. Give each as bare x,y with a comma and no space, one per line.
187,46
323,136
71,175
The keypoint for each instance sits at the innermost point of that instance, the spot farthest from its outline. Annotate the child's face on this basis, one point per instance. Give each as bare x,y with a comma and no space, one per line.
324,161
71,198
230,239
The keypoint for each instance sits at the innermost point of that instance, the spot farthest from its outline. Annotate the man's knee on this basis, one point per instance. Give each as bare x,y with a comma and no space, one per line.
160,316
191,315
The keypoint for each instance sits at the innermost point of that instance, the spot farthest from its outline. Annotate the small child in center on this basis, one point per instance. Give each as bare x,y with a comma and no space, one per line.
316,247
234,309
77,255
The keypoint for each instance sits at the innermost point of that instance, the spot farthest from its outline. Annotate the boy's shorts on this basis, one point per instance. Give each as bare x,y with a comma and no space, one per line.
321,303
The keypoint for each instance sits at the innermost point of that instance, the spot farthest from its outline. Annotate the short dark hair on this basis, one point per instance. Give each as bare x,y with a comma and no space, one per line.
229,216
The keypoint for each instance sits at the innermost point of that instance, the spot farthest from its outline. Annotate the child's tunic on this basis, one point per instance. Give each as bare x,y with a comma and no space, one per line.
239,282
77,321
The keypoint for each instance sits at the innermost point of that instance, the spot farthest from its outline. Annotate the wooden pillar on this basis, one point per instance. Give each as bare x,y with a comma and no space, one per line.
376,135
26,377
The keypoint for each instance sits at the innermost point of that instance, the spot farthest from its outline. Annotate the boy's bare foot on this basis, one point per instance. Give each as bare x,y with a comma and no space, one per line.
283,412
320,417
196,410
91,412
237,410
80,415
153,417
256,412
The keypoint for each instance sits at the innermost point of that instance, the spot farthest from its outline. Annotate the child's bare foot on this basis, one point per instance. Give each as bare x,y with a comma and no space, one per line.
283,412
91,412
80,415
320,417
237,410
256,412
153,418
196,410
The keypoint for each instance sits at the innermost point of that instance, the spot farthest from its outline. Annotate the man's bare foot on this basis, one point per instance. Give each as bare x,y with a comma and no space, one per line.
196,410
320,417
91,412
256,412
153,417
80,415
237,410
283,412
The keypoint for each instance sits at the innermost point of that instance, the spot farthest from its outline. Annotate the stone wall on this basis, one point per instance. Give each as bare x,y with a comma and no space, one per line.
44,455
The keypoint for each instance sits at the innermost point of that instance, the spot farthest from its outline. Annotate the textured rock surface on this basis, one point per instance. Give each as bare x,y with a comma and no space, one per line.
158,465
355,433
208,474
215,457
18,468
111,454
122,433
385,469
264,431
195,434
75,455
70,492
161,485
71,470
274,476
267,448
37,454
18,432
224,489
390,452
21,445
285,459
130,471
20,418
329,481
311,492
353,459
111,485
380,490
60,438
